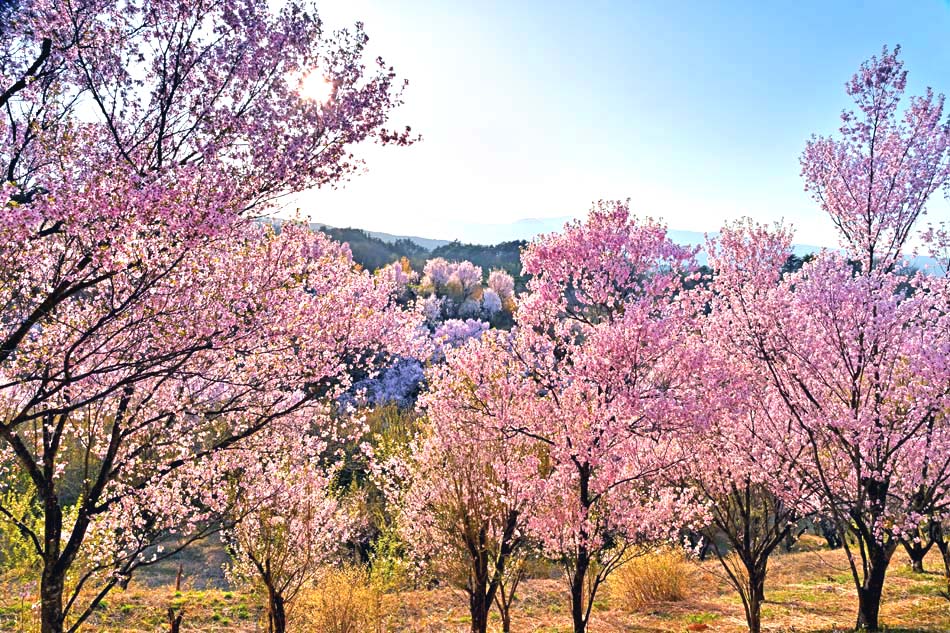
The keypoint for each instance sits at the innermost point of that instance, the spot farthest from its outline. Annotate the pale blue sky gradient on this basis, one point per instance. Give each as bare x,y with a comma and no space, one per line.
698,111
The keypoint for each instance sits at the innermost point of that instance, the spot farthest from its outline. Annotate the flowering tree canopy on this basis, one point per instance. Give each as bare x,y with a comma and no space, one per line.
855,360
144,324
599,339
473,490
286,521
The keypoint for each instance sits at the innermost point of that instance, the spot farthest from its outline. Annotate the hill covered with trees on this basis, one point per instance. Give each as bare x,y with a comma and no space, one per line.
372,252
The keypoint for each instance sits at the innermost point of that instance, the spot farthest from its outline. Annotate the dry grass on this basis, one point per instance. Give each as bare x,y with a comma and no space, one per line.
807,592
343,601
651,579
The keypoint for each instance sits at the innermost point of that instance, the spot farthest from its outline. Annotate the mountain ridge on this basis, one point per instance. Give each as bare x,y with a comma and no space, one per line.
373,249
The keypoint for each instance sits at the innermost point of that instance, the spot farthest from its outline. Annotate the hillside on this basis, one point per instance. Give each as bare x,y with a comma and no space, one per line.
373,250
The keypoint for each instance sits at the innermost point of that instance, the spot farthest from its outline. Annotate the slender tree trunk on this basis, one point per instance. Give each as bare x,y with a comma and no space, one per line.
276,613
479,599
829,531
505,596
53,579
506,621
580,611
479,608
756,598
869,593
578,590
944,548
51,600
174,620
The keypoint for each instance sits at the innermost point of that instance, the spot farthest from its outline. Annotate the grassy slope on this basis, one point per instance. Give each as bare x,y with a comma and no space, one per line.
808,591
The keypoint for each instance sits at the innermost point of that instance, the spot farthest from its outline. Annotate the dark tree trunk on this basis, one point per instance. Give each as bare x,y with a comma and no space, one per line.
479,614
944,548
53,579
479,606
506,621
756,598
51,601
276,613
869,593
578,587
829,531
580,612
487,573
698,542
505,595
174,621
917,552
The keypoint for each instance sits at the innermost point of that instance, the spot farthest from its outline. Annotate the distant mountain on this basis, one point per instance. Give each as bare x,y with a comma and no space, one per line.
424,242
493,245
473,233
495,233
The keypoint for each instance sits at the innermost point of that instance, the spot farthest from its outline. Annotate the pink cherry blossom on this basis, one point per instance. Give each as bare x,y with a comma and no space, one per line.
148,325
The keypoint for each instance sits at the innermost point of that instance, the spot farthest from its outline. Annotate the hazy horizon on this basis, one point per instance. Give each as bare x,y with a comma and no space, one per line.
697,112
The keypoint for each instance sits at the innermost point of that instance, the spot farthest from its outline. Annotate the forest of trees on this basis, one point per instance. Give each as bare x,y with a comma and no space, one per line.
372,252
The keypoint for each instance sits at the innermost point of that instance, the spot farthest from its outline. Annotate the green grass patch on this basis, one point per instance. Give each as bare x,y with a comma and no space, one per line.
701,618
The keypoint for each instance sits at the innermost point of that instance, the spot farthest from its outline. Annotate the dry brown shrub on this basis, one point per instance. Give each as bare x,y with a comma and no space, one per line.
344,600
658,576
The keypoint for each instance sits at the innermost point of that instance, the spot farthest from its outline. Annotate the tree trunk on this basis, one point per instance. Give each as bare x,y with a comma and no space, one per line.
869,594
479,599
505,594
479,607
917,552
756,598
506,621
578,586
276,613
53,579
51,601
174,620
944,548
829,531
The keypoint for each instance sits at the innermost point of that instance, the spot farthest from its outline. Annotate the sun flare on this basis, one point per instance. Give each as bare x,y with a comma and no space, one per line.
316,87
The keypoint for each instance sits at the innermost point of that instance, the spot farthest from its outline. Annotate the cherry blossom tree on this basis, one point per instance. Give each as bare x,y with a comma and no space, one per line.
454,290
144,324
227,344
749,490
604,335
875,178
472,490
455,332
287,520
854,353
853,379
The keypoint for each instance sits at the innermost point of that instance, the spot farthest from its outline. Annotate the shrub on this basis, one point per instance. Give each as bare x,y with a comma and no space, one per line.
658,576
344,600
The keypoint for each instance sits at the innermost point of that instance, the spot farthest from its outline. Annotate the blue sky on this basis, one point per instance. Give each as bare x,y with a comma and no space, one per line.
697,111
